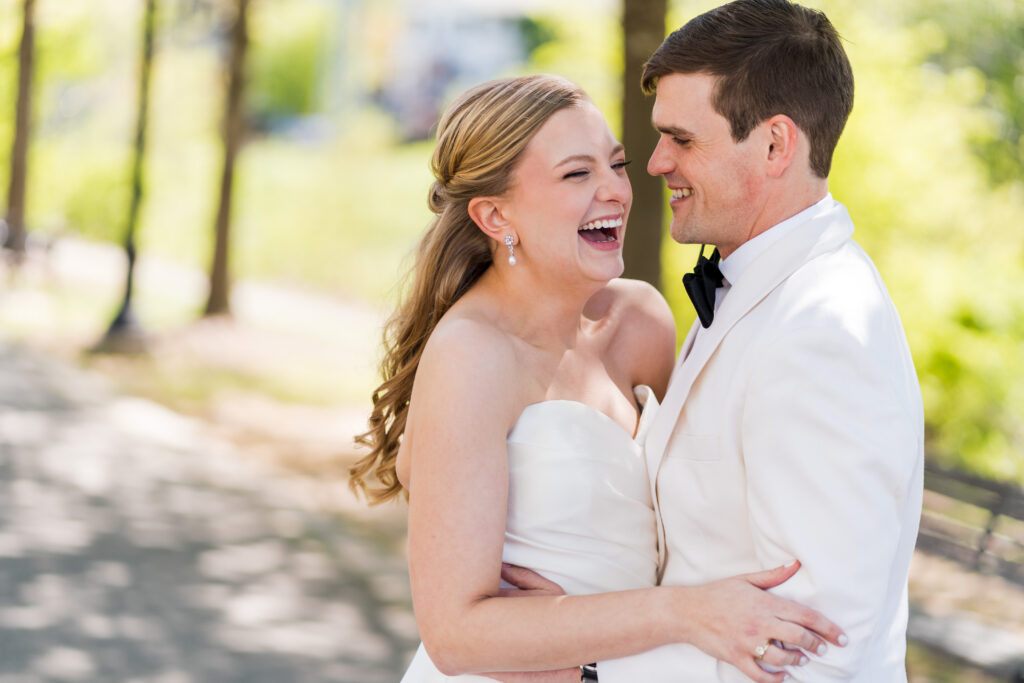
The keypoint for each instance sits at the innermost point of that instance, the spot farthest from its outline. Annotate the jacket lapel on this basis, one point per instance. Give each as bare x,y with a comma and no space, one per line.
820,234
654,457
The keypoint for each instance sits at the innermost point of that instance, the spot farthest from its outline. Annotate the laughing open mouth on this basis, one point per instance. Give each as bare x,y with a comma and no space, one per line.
603,230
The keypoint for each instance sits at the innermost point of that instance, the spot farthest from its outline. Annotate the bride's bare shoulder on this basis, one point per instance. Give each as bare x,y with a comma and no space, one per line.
637,304
644,332
466,356
459,333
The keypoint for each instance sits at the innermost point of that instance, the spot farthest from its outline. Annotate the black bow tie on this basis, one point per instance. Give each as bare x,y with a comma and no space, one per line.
701,284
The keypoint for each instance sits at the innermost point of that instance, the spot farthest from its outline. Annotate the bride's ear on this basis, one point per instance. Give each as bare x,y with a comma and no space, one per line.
489,215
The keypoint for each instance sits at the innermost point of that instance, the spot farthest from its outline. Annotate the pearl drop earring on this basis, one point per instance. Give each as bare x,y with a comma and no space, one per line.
509,242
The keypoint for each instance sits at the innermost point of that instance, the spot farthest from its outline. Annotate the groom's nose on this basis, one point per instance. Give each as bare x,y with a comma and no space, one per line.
660,162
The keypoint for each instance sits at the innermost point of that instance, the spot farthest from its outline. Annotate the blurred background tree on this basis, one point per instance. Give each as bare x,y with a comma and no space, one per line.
14,239
341,98
643,29
124,333
233,132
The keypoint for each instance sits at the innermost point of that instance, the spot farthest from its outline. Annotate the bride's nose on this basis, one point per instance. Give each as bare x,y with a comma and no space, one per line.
616,188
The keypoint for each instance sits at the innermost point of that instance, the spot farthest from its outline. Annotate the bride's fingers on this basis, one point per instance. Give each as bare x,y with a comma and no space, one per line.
813,621
778,656
794,635
769,578
797,614
748,665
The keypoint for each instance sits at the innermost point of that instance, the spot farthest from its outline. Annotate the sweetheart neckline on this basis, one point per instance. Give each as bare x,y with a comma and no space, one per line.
594,411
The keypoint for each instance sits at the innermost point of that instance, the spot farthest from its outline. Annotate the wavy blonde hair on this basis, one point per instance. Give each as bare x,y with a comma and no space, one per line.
480,139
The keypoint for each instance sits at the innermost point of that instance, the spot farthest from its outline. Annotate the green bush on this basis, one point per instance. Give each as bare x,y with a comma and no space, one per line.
290,42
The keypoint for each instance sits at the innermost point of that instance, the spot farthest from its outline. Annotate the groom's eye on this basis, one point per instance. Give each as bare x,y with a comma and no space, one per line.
682,142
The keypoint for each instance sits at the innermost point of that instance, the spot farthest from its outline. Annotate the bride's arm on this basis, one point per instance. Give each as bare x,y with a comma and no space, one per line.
464,402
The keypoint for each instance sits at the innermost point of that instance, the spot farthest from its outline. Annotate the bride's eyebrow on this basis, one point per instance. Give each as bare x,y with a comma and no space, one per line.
586,157
573,158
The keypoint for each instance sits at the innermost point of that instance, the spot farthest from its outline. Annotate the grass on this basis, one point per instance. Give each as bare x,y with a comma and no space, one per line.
284,343
340,217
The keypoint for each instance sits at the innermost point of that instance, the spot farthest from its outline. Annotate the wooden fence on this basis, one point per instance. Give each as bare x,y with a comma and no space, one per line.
980,524
975,521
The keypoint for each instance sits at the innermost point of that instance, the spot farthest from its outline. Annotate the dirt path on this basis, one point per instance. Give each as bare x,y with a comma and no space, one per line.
137,546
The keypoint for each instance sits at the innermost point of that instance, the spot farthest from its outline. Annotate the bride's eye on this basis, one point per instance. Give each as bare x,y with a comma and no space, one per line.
576,174
621,164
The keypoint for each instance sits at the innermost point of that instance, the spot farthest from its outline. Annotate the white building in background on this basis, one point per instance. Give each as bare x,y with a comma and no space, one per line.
420,53
445,47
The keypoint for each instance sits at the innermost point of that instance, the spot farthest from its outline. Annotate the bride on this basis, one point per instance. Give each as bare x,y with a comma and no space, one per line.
519,375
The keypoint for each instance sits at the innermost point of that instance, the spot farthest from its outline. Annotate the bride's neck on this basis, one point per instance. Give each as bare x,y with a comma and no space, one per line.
546,315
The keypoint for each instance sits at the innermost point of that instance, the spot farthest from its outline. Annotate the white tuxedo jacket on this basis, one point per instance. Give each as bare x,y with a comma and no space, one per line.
793,429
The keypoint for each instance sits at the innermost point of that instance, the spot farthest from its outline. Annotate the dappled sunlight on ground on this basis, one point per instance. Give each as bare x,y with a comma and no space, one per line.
135,546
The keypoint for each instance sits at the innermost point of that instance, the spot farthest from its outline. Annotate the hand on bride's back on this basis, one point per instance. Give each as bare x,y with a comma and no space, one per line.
529,583
526,582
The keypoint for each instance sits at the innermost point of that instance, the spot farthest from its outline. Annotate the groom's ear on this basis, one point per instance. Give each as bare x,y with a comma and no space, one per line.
784,144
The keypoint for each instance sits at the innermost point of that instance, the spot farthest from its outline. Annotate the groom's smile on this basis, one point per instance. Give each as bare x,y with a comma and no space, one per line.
712,177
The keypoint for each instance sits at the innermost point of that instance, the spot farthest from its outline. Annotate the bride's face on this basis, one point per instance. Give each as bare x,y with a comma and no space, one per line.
570,197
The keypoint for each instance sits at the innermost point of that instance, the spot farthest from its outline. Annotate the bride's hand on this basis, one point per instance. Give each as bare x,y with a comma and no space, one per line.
733,618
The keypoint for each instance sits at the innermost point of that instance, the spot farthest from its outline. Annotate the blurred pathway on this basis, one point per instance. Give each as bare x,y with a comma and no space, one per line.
135,546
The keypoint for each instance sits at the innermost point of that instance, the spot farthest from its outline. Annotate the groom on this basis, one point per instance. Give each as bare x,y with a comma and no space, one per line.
792,427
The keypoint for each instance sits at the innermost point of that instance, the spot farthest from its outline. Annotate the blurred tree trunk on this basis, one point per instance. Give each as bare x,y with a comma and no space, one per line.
124,333
15,239
234,131
643,24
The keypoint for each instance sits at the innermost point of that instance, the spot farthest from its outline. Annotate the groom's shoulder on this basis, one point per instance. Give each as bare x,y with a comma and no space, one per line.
845,276
840,290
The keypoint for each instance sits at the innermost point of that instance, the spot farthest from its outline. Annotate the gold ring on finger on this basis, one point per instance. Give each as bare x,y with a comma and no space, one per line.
761,650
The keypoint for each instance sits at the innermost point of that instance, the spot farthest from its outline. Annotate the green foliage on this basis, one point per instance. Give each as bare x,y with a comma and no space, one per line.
536,32
70,46
588,52
985,44
95,197
289,42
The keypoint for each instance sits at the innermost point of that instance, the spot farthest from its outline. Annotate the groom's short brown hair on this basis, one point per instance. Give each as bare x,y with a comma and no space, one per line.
770,57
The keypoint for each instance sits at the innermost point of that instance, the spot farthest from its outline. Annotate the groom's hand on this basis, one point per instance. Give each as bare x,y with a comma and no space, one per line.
526,582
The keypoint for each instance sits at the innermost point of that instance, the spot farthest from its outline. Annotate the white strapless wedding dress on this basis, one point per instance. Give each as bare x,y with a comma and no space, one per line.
579,505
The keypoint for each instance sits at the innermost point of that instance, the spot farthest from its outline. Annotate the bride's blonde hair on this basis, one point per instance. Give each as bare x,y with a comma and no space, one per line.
480,139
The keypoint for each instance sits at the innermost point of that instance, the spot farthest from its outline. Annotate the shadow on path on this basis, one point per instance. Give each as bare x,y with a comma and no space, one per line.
134,547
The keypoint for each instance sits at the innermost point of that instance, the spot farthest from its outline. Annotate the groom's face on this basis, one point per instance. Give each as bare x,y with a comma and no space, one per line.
716,183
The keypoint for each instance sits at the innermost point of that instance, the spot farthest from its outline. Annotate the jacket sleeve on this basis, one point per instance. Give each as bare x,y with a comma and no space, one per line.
832,450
